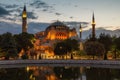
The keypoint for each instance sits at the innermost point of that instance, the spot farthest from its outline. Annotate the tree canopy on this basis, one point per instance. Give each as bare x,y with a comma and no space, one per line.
8,45
106,40
117,43
24,41
94,48
66,46
60,48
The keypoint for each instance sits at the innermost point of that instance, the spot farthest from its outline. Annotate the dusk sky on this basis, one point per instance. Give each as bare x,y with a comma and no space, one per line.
107,12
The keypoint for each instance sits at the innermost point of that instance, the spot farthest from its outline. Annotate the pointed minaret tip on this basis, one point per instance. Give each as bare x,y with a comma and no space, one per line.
80,25
93,27
93,19
24,8
24,13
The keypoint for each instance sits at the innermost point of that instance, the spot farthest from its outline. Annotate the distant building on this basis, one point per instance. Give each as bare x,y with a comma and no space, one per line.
57,31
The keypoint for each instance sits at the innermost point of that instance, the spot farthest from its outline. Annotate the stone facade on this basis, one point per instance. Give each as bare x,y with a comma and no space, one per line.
57,31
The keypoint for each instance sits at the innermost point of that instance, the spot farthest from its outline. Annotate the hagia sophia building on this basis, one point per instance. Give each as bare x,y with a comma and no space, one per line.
55,32
46,39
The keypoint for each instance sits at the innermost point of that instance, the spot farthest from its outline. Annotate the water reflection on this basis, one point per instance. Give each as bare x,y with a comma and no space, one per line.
67,73
59,73
13,74
41,73
102,74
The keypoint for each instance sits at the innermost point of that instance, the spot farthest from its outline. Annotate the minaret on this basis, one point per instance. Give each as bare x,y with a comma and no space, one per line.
93,27
81,43
24,20
80,29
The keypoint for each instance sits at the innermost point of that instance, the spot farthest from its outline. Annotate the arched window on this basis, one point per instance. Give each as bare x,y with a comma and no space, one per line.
61,35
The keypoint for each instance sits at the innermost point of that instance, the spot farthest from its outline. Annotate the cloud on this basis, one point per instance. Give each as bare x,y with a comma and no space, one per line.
77,24
110,27
71,17
30,15
14,12
76,6
38,4
44,10
58,14
11,6
3,12
9,12
41,5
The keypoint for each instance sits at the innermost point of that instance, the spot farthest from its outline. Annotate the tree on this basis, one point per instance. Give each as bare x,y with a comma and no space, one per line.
116,46
2,54
106,40
24,41
72,44
117,43
8,45
60,48
90,38
94,48
68,45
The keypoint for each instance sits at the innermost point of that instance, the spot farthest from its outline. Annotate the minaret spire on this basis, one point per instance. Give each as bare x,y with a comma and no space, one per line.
81,42
80,31
24,19
24,8
93,19
93,27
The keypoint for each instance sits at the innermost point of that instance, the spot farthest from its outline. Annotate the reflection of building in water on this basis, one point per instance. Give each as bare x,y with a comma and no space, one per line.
41,73
57,31
56,73
67,73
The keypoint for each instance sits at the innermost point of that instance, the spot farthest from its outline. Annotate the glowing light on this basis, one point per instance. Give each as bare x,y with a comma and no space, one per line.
80,30
93,23
27,69
24,15
60,75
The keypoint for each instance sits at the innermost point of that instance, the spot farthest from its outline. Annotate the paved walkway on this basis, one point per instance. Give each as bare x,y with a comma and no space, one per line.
58,63
99,62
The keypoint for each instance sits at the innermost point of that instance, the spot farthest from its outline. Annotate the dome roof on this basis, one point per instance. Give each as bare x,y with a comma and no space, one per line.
57,23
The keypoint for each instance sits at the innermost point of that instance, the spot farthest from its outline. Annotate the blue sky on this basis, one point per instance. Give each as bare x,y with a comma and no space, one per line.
107,13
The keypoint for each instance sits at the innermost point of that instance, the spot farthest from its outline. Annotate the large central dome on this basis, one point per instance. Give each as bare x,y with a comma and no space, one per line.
59,31
57,23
